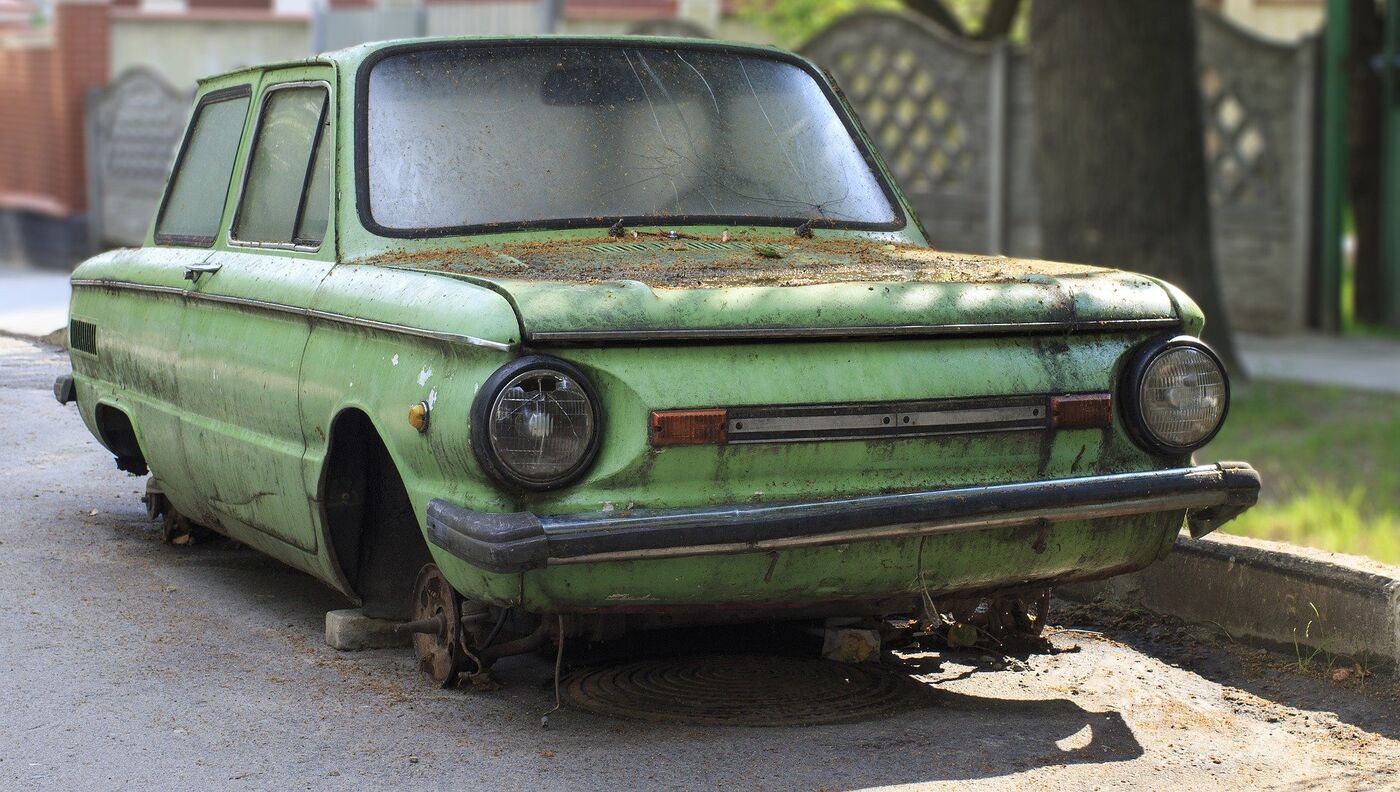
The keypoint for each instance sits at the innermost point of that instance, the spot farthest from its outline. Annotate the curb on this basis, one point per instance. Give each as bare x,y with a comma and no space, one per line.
1268,593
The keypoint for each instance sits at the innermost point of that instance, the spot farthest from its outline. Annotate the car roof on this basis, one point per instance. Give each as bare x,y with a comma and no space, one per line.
354,54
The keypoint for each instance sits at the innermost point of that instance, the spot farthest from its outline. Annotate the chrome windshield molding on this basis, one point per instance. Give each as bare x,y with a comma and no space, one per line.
309,314
1203,497
693,335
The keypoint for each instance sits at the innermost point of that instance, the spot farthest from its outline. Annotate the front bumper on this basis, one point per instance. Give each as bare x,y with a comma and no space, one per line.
1210,495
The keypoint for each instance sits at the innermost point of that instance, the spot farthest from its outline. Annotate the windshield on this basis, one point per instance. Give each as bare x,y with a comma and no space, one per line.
575,135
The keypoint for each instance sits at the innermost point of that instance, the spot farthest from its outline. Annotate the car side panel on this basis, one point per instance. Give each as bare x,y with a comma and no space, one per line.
241,355
135,300
354,362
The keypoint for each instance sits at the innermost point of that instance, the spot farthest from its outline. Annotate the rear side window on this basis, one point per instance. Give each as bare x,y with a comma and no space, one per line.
194,200
286,192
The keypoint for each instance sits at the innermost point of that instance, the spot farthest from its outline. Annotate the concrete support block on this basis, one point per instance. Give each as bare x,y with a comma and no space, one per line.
351,630
846,641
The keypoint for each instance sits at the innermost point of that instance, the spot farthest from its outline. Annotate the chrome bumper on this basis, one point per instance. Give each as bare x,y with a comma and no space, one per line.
1211,495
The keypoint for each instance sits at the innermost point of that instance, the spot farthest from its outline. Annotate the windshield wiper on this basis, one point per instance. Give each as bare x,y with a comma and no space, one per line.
618,230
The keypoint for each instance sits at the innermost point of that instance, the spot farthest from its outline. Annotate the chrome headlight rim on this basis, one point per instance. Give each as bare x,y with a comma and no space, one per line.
485,402
1131,386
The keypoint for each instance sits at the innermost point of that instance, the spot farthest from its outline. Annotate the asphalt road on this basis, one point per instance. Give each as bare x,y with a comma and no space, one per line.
128,664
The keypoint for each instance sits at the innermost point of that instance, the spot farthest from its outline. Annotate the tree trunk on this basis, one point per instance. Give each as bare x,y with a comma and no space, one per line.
1000,16
1364,158
936,11
1118,149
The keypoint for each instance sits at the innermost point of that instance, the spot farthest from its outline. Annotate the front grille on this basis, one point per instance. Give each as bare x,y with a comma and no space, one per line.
797,423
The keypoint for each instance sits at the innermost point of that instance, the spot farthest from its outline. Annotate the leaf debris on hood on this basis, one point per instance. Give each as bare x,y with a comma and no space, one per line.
726,264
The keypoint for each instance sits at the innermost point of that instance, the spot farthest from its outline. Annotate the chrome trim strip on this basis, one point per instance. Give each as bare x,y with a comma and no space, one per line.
908,434
893,420
887,420
390,327
655,336
1203,496
310,314
104,283
1122,508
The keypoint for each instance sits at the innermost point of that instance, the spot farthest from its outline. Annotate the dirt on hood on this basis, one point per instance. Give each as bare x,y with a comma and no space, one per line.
688,263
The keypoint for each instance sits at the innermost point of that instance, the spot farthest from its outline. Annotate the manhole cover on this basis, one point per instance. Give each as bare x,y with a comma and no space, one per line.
749,690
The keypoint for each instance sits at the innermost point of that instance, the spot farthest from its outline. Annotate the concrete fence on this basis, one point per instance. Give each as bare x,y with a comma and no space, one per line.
333,28
954,118
956,121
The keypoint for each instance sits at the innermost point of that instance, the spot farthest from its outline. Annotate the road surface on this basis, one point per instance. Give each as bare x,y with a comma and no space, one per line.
129,664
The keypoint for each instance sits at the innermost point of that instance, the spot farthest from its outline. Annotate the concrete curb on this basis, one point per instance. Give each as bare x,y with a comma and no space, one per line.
1269,593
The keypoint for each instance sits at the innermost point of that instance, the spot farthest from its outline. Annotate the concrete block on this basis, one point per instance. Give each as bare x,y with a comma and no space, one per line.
846,642
1269,593
351,630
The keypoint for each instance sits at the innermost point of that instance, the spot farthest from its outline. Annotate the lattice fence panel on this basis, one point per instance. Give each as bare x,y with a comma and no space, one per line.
926,101
956,123
1256,105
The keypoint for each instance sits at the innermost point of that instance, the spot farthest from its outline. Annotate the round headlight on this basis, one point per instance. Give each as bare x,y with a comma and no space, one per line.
1181,395
535,423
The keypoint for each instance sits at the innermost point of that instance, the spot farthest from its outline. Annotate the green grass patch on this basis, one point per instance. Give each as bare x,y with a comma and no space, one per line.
1330,462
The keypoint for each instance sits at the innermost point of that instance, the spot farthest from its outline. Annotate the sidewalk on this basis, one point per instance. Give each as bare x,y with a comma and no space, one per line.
1371,364
33,303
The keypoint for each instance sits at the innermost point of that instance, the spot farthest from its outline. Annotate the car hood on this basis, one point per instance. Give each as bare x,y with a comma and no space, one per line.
638,291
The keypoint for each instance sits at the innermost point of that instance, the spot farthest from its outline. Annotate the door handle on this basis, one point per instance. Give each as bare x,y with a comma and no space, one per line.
193,271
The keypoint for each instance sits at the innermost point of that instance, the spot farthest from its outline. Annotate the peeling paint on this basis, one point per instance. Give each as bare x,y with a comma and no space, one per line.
394,360
432,398
424,375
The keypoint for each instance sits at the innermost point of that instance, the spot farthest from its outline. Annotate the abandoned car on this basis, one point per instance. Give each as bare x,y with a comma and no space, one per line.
520,339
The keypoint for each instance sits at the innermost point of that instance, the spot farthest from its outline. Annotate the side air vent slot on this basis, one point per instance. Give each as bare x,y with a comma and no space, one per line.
82,336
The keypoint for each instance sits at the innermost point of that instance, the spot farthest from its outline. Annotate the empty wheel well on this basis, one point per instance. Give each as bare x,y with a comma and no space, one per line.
115,431
374,534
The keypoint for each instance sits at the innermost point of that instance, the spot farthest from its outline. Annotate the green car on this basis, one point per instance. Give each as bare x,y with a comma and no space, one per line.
520,339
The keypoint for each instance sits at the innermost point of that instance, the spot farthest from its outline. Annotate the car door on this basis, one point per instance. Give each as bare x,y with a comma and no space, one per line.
246,327
129,305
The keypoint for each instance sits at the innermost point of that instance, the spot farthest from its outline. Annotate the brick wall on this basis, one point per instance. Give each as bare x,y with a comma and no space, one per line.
42,85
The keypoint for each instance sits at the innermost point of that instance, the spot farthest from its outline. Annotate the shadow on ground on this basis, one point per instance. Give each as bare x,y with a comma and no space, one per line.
1302,682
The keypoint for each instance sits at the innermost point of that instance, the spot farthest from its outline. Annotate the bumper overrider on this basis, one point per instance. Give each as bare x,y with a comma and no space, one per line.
1211,495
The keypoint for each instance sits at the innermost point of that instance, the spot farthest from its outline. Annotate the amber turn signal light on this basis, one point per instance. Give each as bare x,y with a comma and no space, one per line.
689,427
1081,411
418,416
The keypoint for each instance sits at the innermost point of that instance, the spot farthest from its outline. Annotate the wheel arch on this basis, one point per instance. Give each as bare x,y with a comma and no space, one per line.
372,536
116,430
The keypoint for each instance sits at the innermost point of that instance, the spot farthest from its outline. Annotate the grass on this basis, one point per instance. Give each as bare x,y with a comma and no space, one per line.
1330,461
